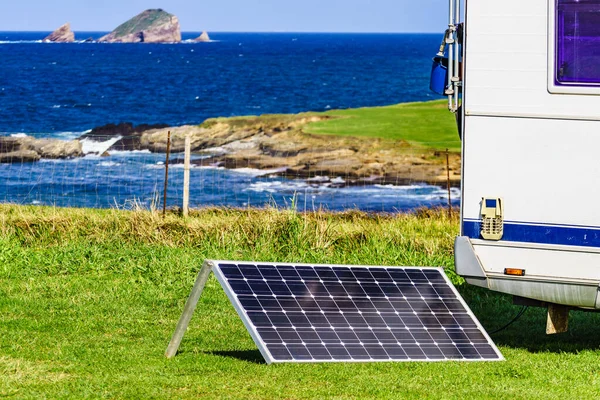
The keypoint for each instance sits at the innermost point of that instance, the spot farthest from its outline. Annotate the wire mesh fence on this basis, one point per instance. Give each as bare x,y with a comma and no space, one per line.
107,176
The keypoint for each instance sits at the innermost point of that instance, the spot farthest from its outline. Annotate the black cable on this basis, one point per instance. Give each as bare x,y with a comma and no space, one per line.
519,315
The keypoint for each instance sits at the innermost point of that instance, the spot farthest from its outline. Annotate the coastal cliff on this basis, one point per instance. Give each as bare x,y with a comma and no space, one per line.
280,144
150,26
61,35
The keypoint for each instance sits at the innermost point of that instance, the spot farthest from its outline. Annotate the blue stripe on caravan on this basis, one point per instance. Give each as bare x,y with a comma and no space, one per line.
545,234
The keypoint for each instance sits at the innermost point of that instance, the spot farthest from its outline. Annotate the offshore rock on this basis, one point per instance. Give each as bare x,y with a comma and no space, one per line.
61,35
130,135
27,148
150,26
203,38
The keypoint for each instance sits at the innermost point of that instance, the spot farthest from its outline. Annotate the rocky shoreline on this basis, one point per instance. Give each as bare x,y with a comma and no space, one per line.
273,144
28,149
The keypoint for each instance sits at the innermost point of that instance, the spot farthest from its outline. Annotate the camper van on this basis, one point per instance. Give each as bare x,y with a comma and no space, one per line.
523,78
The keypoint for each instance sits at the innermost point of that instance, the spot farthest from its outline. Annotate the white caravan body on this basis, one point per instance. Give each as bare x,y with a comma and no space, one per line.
531,149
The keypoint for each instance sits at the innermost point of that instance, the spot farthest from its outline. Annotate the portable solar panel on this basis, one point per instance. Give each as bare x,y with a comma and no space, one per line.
336,313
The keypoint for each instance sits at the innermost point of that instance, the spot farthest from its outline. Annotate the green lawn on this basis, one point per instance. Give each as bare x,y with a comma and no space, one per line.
89,299
427,124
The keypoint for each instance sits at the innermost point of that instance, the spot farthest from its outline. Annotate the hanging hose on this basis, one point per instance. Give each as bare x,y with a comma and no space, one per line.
443,45
519,315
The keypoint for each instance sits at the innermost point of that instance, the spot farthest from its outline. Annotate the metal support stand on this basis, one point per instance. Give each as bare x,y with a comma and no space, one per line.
188,310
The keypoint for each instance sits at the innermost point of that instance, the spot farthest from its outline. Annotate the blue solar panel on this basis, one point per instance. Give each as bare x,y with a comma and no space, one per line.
321,313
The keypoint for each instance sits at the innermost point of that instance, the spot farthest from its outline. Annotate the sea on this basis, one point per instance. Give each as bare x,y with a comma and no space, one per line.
62,90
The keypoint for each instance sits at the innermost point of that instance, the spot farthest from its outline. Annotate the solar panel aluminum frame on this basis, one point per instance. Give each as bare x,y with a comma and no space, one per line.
262,346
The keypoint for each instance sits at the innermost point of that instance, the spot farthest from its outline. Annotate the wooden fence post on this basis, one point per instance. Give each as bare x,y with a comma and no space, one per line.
166,173
186,176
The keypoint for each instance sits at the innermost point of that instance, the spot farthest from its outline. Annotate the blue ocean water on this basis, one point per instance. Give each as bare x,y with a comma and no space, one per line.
62,90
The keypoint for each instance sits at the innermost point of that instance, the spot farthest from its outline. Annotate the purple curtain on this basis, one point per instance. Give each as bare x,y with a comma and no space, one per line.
577,42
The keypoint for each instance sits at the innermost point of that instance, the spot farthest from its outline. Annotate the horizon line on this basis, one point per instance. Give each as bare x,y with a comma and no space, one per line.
228,31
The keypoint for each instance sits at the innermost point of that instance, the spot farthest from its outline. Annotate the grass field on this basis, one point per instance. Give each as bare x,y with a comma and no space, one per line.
427,124
89,300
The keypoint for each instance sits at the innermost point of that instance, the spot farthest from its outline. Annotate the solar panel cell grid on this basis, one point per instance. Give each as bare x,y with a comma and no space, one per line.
324,313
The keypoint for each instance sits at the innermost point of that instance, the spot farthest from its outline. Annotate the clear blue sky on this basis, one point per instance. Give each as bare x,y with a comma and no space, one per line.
233,15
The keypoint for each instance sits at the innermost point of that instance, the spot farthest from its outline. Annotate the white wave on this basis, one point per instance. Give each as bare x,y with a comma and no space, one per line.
442,194
19,41
426,193
338,180
126,152
404,187
161,165
155,166
62,160
280,186
109,164
192,166
259,172
421,193
193,41
66,135
93,147
318,179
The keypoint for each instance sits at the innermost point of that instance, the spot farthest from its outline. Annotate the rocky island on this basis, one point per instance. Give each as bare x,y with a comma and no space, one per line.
150,26
61,35
203,37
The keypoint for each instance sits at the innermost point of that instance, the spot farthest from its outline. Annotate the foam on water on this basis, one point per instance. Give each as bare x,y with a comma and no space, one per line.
419,192
127,152
19,41
109,164
278,186
67,135
93,147
318,179
258,172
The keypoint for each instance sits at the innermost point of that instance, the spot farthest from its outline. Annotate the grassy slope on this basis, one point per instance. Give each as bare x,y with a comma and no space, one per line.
142,22
89,299
428,124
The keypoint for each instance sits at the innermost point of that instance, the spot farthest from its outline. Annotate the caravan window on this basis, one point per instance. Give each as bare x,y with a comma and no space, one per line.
577,43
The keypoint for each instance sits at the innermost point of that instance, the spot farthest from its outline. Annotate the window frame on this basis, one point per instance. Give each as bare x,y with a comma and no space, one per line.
569,88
